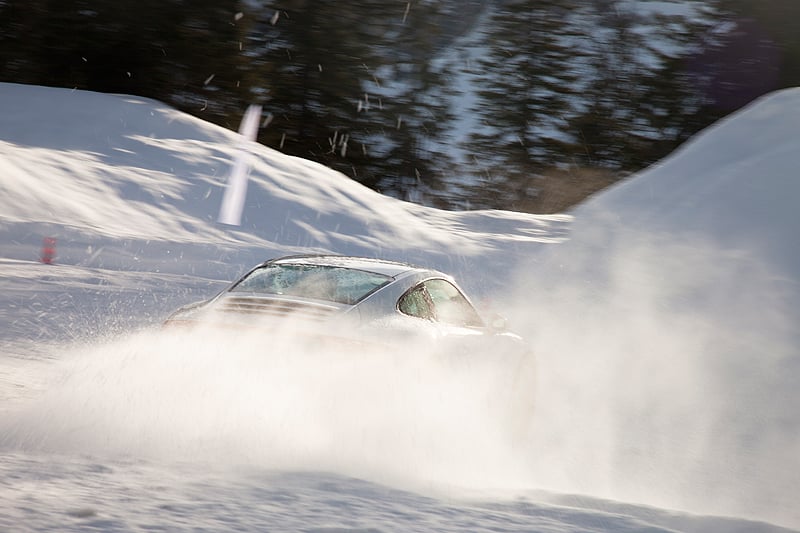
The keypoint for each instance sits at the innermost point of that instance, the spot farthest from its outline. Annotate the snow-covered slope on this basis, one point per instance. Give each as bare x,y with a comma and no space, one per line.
117,168
735,184
663,314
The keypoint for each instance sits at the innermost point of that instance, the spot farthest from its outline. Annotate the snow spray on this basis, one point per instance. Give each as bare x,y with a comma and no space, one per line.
665,371
413,417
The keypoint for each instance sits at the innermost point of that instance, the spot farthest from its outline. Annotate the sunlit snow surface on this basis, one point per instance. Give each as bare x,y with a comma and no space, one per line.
662,313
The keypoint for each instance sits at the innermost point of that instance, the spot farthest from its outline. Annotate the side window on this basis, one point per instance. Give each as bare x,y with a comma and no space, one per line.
415,303
450,306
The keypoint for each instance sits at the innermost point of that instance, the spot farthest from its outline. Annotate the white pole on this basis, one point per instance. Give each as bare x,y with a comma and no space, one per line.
230,211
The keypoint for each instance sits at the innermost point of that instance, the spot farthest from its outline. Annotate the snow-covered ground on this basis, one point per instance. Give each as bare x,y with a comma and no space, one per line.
663,314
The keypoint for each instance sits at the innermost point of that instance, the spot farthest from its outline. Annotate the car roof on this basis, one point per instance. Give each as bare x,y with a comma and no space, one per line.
379,266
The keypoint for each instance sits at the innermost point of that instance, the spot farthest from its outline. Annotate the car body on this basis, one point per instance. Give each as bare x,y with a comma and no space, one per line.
327,303
356,299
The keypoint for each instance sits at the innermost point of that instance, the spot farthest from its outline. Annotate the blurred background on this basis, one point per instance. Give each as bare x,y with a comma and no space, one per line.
526,105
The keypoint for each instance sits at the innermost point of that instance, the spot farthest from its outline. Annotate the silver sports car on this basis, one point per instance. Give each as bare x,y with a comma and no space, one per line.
328,302
353,298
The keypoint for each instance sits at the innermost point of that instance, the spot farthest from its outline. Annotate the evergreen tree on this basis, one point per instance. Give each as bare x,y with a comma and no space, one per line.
350,87
408,122
156,48
610,126
527,92
310,73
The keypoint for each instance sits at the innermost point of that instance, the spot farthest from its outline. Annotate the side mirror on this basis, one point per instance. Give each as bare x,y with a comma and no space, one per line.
498,323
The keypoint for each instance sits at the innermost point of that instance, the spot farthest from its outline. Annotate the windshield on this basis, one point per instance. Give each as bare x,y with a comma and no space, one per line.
330,283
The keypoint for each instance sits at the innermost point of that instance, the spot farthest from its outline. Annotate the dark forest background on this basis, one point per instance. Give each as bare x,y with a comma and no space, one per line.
462,104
